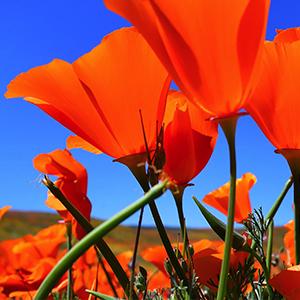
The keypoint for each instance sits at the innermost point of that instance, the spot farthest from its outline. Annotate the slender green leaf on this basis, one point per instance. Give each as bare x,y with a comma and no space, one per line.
90,239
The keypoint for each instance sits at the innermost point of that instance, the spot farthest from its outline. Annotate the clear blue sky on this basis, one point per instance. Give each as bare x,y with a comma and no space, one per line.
35,32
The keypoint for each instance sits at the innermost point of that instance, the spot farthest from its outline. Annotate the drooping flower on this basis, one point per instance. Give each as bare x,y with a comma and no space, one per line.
212,49
189,139
72,182
100,95
287,283
219,198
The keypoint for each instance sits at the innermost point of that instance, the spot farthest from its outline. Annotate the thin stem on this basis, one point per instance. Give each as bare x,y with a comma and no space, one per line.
69,246
178,196
166,242
270,246
99,232
297,217
228,125
276,205
105,272
279,200
137,237
293,158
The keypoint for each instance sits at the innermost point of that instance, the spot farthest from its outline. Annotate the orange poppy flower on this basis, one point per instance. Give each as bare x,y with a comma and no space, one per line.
157,255
100,95
212,49
219,198
287,283
72,182
207,263
3,210
274,105
158,281
189,140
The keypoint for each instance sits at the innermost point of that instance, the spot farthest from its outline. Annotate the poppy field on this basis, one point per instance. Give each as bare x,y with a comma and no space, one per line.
117,101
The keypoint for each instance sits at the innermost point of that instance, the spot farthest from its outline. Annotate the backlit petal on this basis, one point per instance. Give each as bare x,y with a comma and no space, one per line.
219,198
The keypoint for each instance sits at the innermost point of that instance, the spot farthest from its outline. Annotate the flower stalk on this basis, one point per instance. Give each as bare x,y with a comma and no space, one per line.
228,125
293,158
69,246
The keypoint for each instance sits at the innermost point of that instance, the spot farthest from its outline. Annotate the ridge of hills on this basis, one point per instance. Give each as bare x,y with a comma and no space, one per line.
15,224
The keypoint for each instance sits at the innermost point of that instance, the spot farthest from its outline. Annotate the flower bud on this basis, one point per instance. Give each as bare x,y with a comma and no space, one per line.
168,266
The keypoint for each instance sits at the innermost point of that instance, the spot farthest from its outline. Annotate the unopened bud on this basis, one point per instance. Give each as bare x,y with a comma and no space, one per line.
183,265
191,250
177,253
168,266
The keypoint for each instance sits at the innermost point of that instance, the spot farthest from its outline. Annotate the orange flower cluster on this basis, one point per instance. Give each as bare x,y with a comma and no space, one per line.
116,98
207,261
25,263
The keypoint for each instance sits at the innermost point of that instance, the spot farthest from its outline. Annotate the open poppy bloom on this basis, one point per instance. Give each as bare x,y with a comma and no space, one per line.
212,49
278,91
189,139
99,97
72,182
287,283
219,198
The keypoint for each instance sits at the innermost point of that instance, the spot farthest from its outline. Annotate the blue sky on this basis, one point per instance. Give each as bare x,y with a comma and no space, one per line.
34,33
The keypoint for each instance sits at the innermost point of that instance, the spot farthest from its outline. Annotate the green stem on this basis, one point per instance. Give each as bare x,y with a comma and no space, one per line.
69,246
91,239
88,227
269,247
228,125
276,205
105,272
166,242
293,158
297,217
178,196
135,168
279,200
178,200
137,237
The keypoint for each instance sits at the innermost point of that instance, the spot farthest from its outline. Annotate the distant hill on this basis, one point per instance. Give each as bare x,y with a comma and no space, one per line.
15,224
